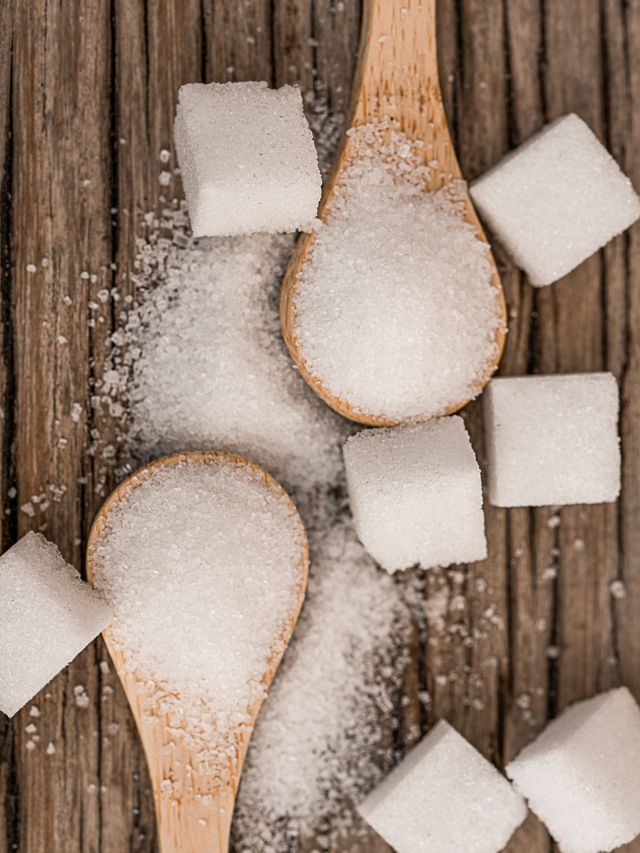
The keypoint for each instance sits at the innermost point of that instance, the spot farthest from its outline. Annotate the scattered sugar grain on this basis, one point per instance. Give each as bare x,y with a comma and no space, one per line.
207,330
553,440
618,589
320,741
395,310
50,749
31,268
81,697
34,711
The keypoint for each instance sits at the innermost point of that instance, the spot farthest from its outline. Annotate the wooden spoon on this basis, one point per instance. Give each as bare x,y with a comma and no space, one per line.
397,78
199,821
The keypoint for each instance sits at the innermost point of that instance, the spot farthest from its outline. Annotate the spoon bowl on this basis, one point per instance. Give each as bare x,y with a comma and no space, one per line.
199,819
396,79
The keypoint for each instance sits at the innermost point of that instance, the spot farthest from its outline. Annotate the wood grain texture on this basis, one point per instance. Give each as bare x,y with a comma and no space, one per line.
87,93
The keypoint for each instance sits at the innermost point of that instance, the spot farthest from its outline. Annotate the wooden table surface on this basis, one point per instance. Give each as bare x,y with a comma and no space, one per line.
87,96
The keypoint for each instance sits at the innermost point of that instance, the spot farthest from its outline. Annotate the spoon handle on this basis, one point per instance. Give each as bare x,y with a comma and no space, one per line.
192,827
397,78
193,809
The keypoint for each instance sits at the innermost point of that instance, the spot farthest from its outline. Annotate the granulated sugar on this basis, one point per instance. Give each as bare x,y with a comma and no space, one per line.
395,311
320,742
200,606
213,372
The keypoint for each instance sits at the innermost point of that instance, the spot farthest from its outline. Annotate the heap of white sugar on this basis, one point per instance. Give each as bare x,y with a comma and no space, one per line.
395,310
319,745
202,564
212,371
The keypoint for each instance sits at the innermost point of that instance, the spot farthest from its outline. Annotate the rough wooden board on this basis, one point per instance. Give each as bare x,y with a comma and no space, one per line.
87,94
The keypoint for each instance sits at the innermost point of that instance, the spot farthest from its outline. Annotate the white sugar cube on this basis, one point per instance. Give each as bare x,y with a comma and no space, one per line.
416,494
48,615
556,200
582,774
247,158
553,439
445,797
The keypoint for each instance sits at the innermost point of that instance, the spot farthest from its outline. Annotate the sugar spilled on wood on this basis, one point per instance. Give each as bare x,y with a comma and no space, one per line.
395,311
203,562
335,724
326,731
212,372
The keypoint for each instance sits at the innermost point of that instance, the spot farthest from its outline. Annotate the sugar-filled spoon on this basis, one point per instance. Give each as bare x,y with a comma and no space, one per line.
397,96
204,559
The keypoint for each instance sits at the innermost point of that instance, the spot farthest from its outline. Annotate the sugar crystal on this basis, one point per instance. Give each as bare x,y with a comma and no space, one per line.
444,797
207,333
247,158
580,775
47,616
416,494
556,199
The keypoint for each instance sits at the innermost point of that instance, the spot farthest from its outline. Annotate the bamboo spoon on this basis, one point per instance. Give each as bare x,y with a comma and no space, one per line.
200,820
397,78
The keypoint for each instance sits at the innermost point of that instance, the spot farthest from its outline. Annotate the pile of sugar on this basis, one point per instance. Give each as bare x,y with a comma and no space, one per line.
212,371
395,310
320,743
202,564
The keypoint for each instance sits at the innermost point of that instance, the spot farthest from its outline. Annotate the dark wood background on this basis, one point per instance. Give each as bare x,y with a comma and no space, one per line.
87,96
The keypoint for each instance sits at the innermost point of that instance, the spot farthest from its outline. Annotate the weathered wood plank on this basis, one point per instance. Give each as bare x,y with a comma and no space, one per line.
59,228
9,793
